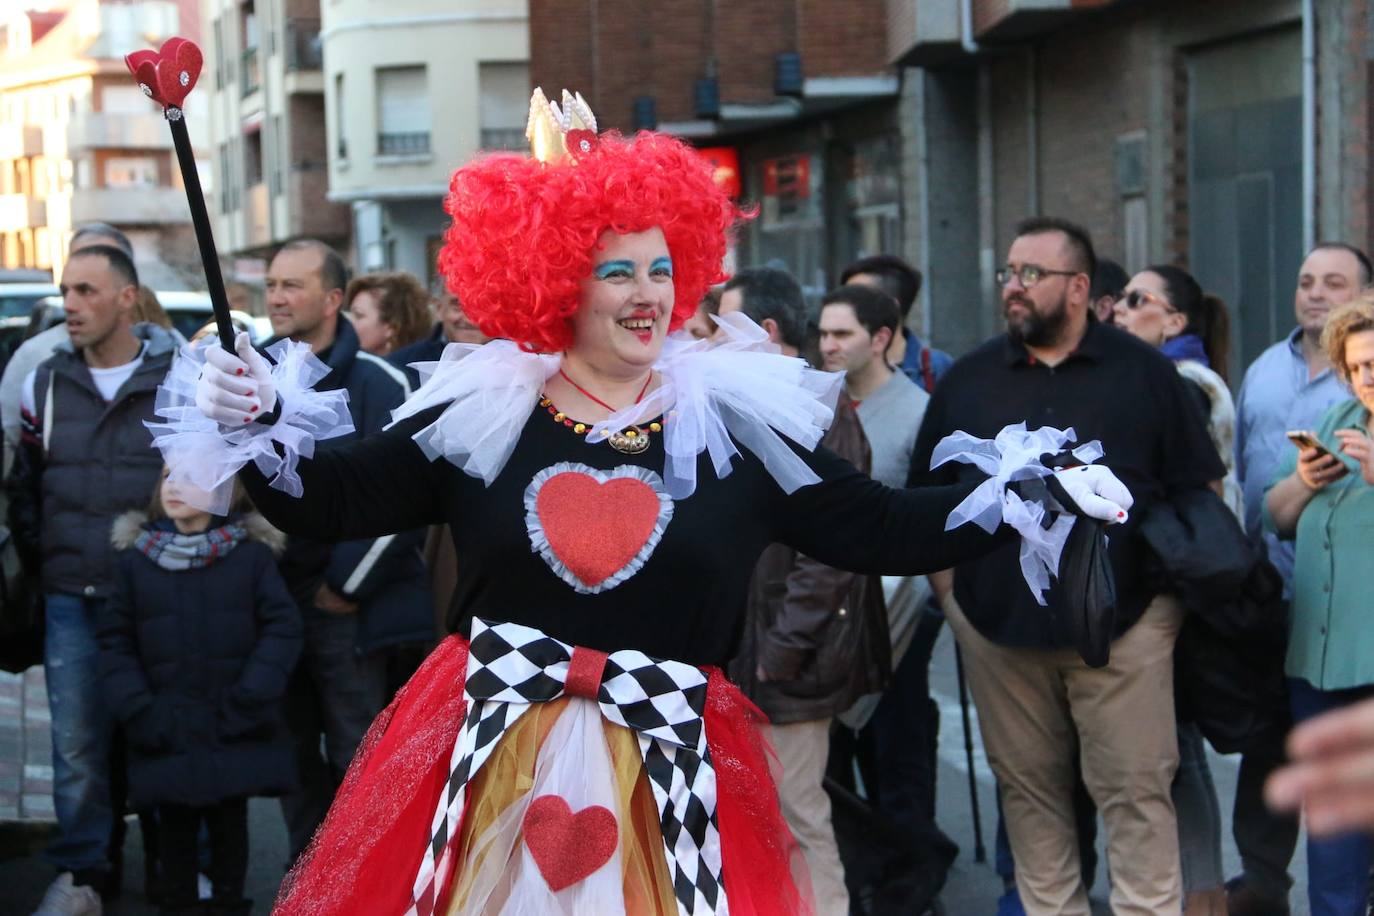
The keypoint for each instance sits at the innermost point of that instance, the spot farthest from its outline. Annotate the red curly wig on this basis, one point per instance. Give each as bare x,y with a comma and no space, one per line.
523,232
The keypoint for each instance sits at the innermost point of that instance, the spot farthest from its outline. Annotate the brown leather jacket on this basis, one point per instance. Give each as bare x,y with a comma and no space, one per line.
819,633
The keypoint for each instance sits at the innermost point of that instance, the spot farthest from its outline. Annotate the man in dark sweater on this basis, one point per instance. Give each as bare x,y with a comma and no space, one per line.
336,691
1039,704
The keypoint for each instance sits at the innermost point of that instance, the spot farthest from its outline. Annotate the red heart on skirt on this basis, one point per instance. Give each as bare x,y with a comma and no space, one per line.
592,526
568,847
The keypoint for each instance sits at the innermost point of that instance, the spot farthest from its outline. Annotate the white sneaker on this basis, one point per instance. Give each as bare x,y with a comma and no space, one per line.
66,899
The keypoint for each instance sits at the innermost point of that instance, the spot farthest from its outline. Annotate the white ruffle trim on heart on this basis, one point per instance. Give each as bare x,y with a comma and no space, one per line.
735,386
1015,455
204,456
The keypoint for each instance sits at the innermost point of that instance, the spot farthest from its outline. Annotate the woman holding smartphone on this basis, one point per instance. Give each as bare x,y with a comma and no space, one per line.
1323,497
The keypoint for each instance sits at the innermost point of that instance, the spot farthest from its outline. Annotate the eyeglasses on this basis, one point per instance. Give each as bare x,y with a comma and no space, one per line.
1030,274
1138,297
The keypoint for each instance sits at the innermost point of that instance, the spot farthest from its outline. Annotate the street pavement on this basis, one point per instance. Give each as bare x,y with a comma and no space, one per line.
972,889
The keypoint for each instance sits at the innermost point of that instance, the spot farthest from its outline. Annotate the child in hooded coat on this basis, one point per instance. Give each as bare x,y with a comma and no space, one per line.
198,641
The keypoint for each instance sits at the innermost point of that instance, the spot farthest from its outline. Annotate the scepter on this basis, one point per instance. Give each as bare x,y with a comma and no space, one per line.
167,76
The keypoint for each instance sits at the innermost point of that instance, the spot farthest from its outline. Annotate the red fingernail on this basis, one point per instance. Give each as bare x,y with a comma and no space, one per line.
248,419
1121,515
238,372
253,409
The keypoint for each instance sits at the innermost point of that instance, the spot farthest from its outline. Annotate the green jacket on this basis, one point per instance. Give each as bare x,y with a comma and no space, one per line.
1331,641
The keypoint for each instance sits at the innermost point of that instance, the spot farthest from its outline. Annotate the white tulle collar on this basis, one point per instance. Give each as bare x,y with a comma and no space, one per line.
736,387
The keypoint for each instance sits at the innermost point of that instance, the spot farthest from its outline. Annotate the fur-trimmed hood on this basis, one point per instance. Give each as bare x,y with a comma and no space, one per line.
126,527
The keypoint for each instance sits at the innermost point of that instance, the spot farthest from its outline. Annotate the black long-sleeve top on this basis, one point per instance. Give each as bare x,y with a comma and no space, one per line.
686,601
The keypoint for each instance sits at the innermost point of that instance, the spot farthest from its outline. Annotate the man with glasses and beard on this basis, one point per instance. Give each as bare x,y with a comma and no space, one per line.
1039,705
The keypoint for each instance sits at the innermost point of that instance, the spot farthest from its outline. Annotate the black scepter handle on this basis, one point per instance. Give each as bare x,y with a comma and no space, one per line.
200,218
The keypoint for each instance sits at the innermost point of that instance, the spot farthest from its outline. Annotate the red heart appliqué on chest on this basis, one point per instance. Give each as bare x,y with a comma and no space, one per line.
594,528
568,847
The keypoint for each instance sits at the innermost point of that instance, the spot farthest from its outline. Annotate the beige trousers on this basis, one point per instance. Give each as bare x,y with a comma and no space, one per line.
803,748
1036,708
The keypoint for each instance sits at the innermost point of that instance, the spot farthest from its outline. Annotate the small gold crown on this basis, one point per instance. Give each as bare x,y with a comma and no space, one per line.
549,125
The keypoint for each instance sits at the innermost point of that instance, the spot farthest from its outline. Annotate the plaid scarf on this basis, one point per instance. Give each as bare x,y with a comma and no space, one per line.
175,551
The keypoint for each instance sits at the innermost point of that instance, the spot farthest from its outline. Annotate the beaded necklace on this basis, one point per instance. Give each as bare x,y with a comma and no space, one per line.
630,441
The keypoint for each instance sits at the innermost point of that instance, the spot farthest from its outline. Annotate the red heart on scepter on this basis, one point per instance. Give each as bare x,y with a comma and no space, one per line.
167,76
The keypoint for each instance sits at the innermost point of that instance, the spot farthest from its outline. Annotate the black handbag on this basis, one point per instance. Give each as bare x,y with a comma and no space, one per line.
1085,613
21,612
1083,599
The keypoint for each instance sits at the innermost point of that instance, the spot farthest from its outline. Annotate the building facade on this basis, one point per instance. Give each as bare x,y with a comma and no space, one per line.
1226,137
265,79
413,90
80,143
796,97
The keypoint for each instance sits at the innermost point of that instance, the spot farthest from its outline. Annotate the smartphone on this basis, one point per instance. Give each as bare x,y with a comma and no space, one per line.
1305,439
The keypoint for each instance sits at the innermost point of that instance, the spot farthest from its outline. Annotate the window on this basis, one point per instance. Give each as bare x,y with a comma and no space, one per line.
131,172
218,28
252,158
276,154
251,77
340,133
505,101
402,111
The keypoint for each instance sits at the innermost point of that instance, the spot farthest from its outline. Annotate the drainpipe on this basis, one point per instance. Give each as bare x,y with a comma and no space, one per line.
969,42
1033,129
1309,125
987,215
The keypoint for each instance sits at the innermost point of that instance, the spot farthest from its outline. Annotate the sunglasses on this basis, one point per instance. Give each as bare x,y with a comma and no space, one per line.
1138,297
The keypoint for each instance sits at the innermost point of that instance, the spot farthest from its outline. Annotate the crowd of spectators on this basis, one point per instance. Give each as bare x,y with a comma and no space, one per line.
290,671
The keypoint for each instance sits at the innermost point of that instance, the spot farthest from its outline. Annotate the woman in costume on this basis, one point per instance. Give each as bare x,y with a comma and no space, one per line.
574,746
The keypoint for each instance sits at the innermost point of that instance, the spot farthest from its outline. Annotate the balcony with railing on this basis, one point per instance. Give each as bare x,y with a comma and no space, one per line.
19,141
923,32
304,50
21,211
114,130
413,143
155,205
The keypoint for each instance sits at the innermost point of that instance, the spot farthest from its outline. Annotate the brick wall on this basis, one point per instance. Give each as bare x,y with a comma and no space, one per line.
617,50
1098,78
307,179
843,39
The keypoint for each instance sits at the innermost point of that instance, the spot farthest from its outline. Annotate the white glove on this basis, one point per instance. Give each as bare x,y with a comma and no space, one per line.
234,390
1099,493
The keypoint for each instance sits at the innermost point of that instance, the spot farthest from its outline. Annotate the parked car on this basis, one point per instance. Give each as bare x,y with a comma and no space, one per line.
17,299
190,311
24,275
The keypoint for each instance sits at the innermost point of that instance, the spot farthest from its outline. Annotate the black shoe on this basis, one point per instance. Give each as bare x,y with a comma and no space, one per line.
1243,900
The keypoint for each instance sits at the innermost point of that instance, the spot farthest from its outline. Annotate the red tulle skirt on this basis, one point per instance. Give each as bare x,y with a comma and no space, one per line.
366,855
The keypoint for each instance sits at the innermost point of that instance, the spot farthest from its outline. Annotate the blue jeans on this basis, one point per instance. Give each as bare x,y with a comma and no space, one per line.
1337,867
82,729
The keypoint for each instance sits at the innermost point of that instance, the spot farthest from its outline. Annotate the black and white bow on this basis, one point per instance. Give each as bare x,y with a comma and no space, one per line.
512,666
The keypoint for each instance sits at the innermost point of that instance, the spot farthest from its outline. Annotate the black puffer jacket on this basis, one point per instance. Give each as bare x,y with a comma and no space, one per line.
194,663
96,460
